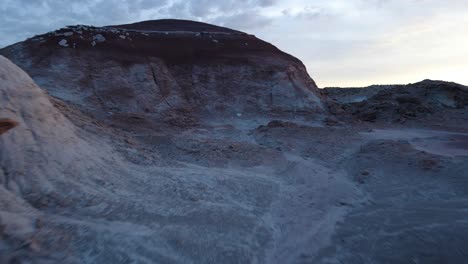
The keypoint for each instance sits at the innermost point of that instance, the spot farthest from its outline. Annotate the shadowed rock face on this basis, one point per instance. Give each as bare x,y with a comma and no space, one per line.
6,124
164,68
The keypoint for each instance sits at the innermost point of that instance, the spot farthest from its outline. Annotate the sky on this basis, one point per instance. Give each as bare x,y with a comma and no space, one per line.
346,43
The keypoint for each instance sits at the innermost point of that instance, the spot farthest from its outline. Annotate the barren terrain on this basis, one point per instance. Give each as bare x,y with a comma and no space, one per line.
238,158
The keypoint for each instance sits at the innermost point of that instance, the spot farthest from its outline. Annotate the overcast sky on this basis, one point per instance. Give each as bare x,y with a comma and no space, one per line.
342,42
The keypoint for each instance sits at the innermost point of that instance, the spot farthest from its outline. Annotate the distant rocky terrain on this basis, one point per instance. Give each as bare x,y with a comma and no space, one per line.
397,103
174,141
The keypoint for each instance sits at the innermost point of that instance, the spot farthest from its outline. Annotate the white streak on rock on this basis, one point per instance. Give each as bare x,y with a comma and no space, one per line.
99,38
63,43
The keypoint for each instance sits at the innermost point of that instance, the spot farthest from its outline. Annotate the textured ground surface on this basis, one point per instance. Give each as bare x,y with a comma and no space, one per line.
98,171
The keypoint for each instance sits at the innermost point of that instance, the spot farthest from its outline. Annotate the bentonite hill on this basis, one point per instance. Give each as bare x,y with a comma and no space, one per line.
173,141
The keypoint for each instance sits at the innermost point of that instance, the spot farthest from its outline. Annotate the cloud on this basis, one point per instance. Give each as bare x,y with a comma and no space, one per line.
307,13
246,21
239,14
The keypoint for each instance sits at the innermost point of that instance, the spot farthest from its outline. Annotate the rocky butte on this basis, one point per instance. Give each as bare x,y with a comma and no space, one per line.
167,68
173,141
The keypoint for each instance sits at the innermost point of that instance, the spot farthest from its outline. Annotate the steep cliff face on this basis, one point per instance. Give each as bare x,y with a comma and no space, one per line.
167,67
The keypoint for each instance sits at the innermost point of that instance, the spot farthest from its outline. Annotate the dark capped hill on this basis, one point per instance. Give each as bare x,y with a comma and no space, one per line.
153,68
175,25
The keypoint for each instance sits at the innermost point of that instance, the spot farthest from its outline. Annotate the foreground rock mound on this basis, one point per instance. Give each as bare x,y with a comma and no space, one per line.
43,164
167,68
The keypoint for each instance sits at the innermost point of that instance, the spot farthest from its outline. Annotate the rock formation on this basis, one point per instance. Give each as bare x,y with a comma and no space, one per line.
167,68
397,103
